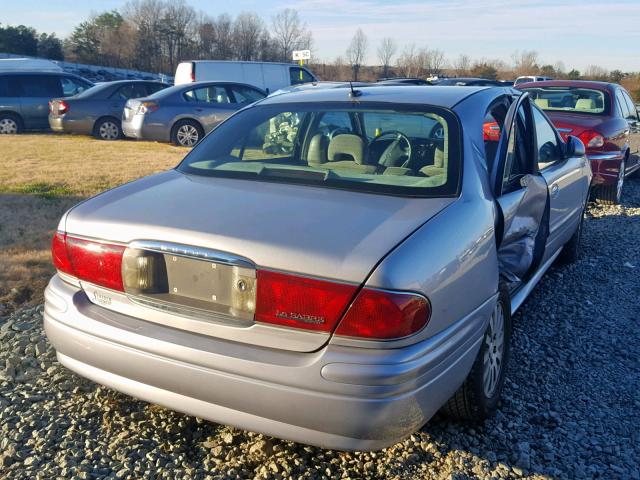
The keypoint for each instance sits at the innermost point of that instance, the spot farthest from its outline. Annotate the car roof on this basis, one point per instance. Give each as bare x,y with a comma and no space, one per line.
569,83
446,97
39,72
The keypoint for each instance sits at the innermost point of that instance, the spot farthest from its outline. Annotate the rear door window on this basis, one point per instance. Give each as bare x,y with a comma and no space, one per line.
133,90
154,87
633,113
71,86
623,104
214,94
38,86
244,94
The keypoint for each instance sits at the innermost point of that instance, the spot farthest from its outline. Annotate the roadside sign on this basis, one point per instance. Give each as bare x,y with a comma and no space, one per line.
301,54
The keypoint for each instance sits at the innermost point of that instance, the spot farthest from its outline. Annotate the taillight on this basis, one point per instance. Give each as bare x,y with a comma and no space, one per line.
319,305
300,302
381,314
591,139
146,107
95,262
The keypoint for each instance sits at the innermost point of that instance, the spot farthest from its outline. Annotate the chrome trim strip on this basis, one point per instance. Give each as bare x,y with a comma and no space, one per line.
565,130
605,156
190,251
518,299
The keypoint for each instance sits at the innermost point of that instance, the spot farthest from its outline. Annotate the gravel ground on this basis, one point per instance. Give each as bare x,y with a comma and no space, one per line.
570,408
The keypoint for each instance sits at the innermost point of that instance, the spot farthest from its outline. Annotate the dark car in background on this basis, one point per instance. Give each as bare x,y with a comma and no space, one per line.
607,121
98,110
25,95
185,113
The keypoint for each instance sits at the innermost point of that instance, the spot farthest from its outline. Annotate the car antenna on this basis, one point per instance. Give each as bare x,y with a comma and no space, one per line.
354,93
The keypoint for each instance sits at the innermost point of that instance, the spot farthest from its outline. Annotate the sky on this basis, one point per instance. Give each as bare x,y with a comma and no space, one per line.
577,32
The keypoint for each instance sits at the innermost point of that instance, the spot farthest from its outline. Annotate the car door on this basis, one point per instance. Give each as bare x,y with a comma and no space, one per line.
568,184
522,198
633,120
35,93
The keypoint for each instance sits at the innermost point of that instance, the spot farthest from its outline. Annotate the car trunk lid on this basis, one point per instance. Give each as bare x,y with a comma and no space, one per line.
318,233
574,124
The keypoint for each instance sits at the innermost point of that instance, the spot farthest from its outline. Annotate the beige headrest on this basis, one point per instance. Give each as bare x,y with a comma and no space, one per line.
585,104
347,147
542,102
317,150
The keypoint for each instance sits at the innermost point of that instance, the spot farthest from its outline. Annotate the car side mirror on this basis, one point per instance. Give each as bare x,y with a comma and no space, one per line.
574,147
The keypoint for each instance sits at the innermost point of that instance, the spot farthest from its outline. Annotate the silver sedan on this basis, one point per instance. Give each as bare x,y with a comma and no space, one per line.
330,267
184,114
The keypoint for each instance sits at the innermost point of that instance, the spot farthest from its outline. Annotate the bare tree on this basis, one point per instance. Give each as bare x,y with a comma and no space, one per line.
357,52
386,51
525,62
289,33
247,31
224,37
409,62
436,62
462,65
594,72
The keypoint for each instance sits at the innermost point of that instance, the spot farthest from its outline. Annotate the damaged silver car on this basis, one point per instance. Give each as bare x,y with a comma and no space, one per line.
330,267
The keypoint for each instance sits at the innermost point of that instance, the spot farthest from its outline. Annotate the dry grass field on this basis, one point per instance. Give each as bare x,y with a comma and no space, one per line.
41,176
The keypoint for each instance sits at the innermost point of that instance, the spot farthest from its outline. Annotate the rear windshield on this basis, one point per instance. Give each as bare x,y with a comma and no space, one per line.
378,149
570,99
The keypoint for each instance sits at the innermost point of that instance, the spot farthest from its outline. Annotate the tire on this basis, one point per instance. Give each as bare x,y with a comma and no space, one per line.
570,253
186,133
611,194
477,399
107,128
10,124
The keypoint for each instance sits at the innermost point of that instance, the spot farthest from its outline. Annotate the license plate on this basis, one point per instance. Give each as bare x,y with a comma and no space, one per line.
226,288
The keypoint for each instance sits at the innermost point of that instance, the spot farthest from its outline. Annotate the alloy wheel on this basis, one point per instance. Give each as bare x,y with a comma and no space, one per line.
109,131
8,126
494,353
187,135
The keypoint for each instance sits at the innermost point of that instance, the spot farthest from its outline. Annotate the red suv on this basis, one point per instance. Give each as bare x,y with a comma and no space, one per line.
607,121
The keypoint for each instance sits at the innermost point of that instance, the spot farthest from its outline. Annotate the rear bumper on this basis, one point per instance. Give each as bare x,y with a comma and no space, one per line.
337,397
605,167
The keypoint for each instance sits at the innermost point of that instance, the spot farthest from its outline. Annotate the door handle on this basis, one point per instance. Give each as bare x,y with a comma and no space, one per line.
555,190
199,109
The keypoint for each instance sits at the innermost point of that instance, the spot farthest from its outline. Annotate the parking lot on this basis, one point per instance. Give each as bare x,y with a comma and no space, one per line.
569,410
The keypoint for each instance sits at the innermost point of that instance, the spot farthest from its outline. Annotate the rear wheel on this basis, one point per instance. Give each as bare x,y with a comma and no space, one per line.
107,129
611,194
477,398
10,124
186,133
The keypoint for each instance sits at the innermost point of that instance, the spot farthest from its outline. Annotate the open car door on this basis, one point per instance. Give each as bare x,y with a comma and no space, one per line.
522,198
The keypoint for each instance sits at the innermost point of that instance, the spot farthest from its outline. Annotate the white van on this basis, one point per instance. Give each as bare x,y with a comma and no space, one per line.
31,64
264,75
530,78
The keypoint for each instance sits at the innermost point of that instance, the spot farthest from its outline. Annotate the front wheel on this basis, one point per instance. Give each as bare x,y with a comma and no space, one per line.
611,194
477,398
186,133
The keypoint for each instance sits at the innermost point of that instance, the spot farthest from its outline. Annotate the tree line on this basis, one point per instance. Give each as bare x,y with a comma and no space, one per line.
155,35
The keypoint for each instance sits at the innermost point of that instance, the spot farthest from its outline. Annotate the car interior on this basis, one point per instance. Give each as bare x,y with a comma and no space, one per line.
579,100
390,148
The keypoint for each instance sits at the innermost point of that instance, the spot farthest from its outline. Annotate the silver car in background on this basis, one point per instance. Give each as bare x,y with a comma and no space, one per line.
184,114
98,110
329,266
